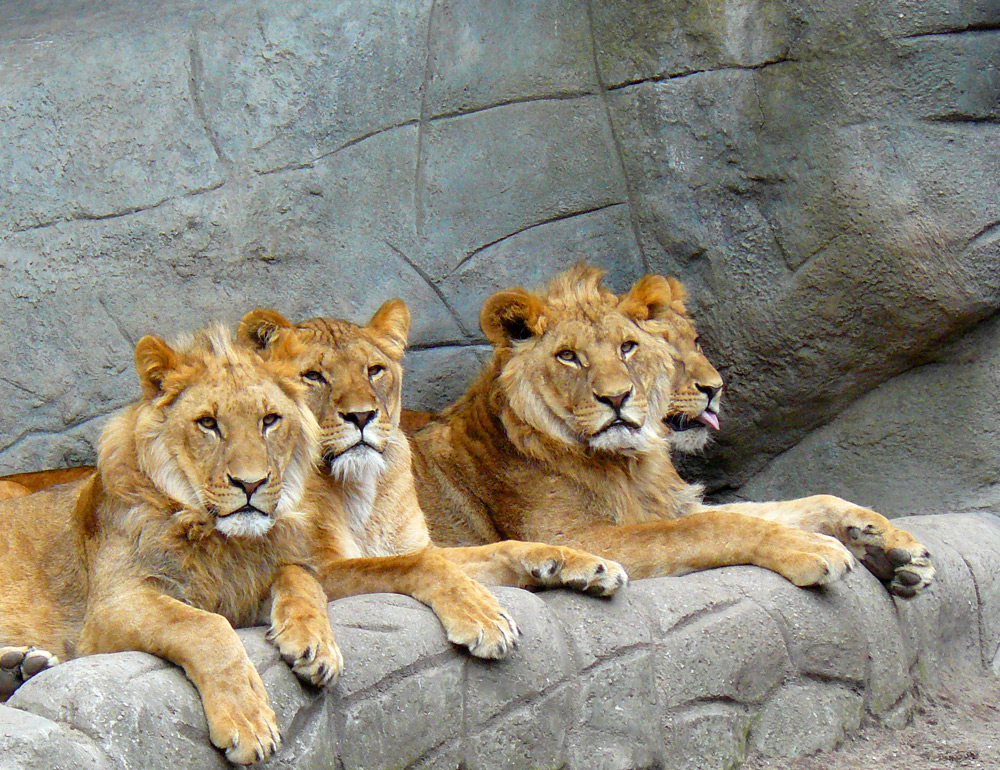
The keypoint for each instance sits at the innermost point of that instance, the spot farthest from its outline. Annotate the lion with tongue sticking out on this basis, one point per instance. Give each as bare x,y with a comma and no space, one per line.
891,554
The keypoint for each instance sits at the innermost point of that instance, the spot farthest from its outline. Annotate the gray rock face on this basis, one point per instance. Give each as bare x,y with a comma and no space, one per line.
823,177
701,671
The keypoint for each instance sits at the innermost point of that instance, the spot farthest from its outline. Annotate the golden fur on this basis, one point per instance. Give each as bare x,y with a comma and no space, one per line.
521,454
18,484
190,526
368,532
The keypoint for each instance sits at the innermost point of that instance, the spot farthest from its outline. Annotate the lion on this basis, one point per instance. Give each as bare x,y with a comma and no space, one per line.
891,554
369,533
20,484
190,526
561,439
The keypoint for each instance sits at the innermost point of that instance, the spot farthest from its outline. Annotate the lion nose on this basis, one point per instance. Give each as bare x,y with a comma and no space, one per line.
360,419
248,487
709,390
615,402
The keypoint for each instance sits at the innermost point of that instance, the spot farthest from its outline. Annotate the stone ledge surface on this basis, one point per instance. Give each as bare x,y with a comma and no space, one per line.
699,671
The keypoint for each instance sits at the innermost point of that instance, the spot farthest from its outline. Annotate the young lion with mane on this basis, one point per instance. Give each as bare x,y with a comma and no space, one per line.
565,438
367,530
190,525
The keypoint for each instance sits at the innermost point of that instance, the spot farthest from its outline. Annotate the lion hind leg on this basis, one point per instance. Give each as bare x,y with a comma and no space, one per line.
19,664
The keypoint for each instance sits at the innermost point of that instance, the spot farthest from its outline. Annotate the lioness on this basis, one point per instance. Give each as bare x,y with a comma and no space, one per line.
189,527
369,533
892,554
560,439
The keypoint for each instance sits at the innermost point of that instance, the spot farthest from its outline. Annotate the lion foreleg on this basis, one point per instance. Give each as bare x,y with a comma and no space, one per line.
300,626
470,614
537,565
710,539
240,721
892,554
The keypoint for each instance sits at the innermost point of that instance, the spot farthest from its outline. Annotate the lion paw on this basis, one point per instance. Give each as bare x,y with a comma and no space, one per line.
240,721
891,554
309,649
473,618
19,664
815,560
581,572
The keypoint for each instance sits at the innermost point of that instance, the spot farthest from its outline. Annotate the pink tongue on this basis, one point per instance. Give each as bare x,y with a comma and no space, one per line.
710,419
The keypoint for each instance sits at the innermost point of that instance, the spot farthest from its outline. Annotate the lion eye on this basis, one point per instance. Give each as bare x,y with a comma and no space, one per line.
313,376
375,370
628,346
208,423
270,419
567,355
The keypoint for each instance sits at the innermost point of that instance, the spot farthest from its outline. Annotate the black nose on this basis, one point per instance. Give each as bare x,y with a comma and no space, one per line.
248,487
709,390
360,419
615,402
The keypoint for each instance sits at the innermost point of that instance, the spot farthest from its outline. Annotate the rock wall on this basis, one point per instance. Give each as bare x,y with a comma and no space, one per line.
701,671
822,175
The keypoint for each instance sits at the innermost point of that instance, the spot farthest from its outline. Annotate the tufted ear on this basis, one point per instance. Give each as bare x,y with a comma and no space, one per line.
154,360
259,327
513,315
391,322
653,298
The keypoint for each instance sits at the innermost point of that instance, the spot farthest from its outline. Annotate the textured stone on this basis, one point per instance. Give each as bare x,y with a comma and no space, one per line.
476,187
405,719
531,735
737,654
956,532
27,740
540,663
529,258
707,736
486,53
620,624
879,451
805,717
619,714
285,85
436,377
113,699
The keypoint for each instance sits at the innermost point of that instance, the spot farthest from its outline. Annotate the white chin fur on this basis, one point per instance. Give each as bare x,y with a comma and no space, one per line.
690,441
362,463
244,524
623,439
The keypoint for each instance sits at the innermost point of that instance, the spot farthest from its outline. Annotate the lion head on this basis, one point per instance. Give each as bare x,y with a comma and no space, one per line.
697,386
354,378
577,367
219,431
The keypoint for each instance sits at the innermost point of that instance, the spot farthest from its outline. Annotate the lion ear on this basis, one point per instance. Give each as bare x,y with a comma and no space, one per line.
513,315
259,327
653,298
154,360
392,323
